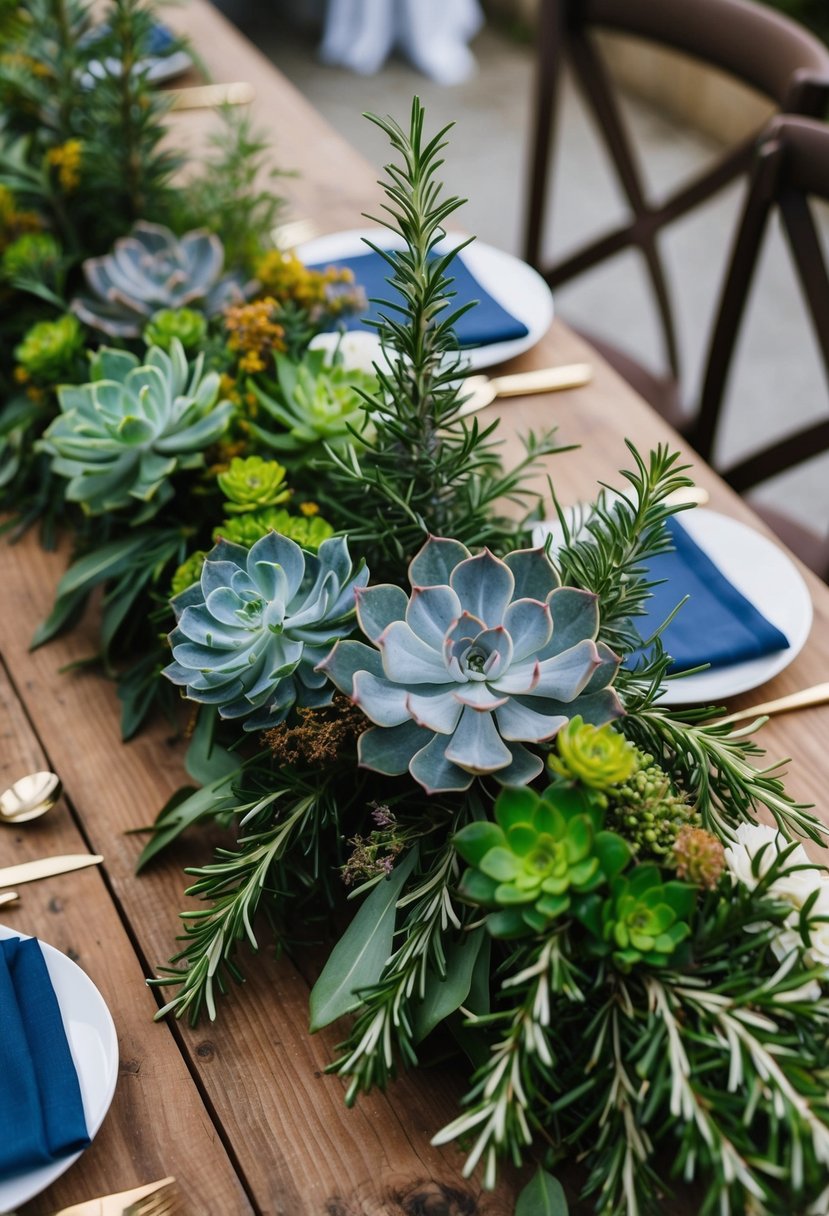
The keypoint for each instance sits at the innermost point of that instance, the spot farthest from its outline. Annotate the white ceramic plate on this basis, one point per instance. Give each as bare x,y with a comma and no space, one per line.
515,285
766,576
94,1046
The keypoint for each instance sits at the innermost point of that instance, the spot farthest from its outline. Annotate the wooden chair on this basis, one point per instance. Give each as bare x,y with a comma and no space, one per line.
791,167
749,41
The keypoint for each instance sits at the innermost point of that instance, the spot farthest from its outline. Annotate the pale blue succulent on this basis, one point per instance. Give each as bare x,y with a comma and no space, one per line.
483,657
119,438
252,632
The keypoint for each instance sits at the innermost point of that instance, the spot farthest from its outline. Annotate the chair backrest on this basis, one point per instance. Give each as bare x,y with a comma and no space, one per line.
747,40
792,166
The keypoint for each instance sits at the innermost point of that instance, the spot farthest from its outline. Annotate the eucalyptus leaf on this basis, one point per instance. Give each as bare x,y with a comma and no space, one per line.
443,997
358,959
206,760
542,1196
180,813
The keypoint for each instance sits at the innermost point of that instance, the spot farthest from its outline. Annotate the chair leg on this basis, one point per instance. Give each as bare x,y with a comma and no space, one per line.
548,70
734,295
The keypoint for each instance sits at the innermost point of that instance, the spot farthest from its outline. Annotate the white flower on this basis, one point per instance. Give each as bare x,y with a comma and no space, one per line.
817,952
800,877
356,350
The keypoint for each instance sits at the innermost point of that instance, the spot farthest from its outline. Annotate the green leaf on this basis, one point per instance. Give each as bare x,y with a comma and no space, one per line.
443,997
179,813
542,1196
66,610
358,959
475,840
206,760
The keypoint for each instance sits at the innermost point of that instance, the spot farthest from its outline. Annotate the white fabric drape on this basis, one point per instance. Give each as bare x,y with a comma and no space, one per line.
432,34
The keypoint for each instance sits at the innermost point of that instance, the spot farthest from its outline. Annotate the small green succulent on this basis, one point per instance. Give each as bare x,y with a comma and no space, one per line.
251,633
188,572
119,438
643,920
35,255
309,533
50,350
252,483
315,402
541,853
648,811
597,756
189,326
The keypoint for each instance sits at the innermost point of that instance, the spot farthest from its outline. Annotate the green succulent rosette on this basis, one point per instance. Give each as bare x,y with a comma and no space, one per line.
308,532
483,657
597,756
34,255
189,326
188,572
314,402
252,632
541,853
643,920
50,350
251,483
120,438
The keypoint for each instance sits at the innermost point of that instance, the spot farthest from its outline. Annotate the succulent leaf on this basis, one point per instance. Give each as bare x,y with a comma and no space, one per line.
478,666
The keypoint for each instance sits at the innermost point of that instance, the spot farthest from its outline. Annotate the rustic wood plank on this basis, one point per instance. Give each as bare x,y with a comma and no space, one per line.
158,1123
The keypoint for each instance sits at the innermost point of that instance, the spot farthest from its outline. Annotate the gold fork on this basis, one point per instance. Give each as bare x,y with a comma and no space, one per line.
154,1199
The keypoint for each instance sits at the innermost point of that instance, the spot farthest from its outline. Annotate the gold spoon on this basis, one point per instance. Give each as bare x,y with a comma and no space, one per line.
29,798
818,694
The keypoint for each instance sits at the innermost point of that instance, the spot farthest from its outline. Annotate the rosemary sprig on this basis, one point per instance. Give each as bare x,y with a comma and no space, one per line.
425,469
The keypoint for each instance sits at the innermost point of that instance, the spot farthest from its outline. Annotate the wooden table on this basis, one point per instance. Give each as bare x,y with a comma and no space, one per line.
241,1110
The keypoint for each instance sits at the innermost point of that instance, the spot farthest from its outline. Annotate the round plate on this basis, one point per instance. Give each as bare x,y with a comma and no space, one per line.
766,576
515,285
94,1046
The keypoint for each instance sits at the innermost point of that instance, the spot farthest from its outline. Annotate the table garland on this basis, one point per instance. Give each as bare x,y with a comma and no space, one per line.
395,695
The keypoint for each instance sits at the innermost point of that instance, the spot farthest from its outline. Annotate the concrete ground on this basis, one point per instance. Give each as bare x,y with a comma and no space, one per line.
779,375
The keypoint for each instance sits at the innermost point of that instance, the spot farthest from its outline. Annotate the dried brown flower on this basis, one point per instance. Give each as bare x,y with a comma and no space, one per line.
699,856
320,736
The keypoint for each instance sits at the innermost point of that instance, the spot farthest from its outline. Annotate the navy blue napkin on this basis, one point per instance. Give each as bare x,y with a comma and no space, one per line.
488,322
717,625
41,1111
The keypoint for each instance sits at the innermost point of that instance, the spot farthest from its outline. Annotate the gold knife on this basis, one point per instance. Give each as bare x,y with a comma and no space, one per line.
482,390
46,867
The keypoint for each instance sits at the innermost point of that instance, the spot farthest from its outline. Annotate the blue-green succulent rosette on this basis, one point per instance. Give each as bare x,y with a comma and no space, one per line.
484,656
253,630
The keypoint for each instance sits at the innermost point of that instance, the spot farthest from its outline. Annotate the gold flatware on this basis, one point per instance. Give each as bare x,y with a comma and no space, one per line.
818,694
8,897
694,495
29,797
155,1199
482,390
206,96
47,867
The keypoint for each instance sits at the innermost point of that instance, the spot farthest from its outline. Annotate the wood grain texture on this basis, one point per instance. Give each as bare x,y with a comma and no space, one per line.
299,1152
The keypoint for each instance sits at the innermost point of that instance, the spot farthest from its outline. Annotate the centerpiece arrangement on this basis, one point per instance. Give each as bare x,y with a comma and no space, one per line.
395,696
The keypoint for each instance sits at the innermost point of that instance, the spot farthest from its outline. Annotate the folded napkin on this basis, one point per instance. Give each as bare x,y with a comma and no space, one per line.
41,1112
488,322
717,625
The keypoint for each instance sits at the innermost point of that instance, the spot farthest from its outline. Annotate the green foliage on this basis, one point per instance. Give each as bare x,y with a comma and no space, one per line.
541,854
189,326
52,350
643,920
308,531
424,470
251,483
542,1196
315,403
597,756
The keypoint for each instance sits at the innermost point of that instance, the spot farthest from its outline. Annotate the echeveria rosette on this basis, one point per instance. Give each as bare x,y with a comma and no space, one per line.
119,438
316,402
251,633
152,269
541,853
644,920
484,656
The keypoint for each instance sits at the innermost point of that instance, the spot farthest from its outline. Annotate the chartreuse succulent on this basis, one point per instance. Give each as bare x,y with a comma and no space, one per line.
308,531
643,920
251,483
314,402
51,350
541,853
252,631
483,657
597,756
153,269
189,326
120,438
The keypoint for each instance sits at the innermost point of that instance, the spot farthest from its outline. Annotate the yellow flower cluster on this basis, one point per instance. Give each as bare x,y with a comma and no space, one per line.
66,158
284,276
253,333
14,223
25,63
